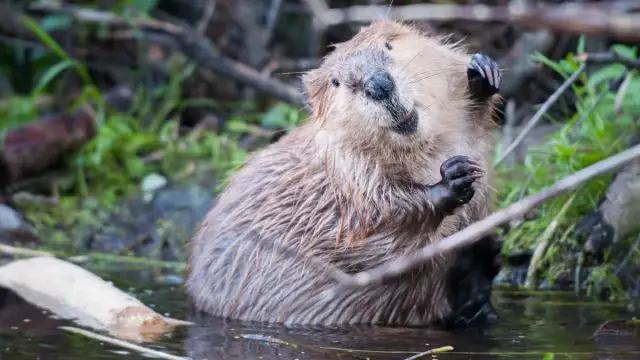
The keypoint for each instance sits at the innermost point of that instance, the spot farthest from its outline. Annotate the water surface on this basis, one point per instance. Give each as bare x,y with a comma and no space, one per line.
530,326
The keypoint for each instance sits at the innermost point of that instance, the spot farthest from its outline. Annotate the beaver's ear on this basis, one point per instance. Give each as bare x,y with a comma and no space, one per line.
315,94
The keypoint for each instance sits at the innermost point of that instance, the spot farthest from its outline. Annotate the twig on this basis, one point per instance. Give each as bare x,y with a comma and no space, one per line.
589,19
510,120
626,259
122,343
608,58
271,20
543,244
34,199
209,9
194,45
538,115
481,228
432,351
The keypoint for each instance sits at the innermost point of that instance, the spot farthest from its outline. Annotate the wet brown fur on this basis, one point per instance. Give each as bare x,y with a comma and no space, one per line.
334,188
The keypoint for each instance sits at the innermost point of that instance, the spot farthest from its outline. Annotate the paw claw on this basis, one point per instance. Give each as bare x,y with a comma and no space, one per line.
458,175
484,76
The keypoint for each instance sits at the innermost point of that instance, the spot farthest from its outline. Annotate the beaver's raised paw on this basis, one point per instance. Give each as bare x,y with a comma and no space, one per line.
458,174
484,76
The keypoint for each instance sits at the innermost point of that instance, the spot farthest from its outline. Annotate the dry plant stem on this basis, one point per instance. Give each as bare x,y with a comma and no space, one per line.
122,343
538,115
543,244
430,352
627,258
484,227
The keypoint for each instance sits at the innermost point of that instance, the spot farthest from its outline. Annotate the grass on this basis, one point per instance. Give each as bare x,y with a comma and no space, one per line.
128,146
591,134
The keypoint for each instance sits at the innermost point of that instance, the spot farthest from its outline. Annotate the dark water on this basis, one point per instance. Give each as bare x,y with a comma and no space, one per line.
530,327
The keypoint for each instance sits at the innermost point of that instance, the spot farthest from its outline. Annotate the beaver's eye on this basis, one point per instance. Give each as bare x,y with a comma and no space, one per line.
335,82
388,46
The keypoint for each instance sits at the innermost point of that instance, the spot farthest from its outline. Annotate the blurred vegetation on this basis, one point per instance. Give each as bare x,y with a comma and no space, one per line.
113,163
598,129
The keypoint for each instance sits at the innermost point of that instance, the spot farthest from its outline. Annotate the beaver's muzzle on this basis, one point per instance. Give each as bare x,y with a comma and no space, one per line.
379,86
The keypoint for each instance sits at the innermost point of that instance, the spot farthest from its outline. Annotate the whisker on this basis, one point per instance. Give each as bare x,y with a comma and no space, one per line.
413,58
425,76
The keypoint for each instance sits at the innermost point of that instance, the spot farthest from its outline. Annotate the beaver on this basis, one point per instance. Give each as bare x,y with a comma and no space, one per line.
395,155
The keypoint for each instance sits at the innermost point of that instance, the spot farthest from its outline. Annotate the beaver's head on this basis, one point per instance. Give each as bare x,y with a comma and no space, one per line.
390,81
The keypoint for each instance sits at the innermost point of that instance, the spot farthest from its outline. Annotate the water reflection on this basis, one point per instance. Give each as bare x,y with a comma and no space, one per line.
529,327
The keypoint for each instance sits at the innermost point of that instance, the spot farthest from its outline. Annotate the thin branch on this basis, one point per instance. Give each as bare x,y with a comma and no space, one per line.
609,58
271,20
209,9
627,258
123,344
484,227
194,45
431,352
538,115
543,244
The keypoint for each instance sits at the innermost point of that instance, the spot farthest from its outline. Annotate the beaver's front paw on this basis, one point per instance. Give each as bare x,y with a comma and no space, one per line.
458,174
484,76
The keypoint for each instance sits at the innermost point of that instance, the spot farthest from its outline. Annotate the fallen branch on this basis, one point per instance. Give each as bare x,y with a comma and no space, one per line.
190,42
538,115
603,19
74,293
484,227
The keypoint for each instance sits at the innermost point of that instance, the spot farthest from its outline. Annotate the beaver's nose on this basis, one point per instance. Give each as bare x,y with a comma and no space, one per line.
379,86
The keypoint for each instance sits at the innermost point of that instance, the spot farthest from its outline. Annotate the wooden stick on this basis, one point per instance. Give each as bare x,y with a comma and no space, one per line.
481,228
538,115
609,58
122,343
71,292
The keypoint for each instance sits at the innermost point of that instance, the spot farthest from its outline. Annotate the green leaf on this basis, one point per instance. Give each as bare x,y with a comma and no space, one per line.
581,44
56,22
546,61
144,5
626,51
237,125
606,73
51,73
44,37
135,166
276,117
